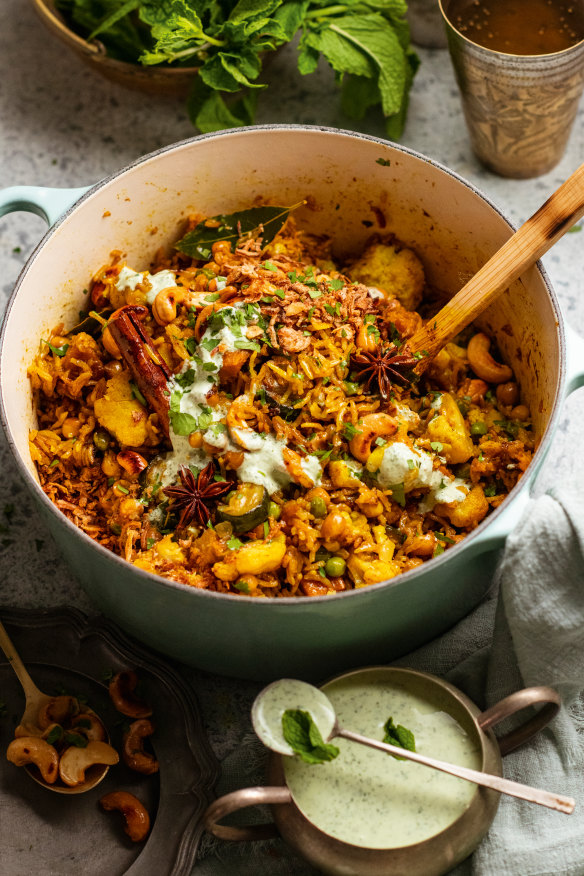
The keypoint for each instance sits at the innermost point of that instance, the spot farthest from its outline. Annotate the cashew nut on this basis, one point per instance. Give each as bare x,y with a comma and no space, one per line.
109,343
293,463
121,691
32,749
165,303
133,753
89,725
135,814
75,761
57,710
483,364
370,427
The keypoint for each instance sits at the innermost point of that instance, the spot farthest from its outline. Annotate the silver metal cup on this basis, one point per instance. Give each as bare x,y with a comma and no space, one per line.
519,109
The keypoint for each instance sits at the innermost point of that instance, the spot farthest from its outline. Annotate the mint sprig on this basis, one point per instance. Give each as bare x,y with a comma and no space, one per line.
303,737
400,736
366,42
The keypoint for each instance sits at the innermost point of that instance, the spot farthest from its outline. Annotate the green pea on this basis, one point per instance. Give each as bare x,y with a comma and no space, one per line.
318,506
101,439
335,566
274,510
478,428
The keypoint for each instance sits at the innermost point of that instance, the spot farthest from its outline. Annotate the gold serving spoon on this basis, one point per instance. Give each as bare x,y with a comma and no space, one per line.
273,700
547,225
35,701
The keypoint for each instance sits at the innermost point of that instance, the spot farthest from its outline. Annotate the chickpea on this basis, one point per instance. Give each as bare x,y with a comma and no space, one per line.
221,251
333,526
70,427
520,412
508,393
196,440
112,368
109,465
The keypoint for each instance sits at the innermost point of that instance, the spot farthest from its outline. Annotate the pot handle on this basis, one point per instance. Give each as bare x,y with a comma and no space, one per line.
515,702
240,800
49,204
574,360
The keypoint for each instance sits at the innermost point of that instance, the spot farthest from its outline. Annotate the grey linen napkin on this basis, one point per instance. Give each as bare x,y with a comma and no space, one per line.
532,633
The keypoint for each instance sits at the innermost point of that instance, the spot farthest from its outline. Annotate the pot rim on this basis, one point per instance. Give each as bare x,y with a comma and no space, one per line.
159,581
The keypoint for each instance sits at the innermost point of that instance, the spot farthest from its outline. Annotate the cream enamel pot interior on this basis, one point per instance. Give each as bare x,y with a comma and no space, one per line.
454,229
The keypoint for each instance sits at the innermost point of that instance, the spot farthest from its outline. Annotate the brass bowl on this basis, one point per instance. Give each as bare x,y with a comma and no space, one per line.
154,80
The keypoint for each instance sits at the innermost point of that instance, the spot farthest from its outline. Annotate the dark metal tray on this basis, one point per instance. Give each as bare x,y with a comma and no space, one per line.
54,835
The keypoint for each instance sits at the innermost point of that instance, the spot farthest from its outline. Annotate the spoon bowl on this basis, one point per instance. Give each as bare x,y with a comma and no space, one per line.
35,701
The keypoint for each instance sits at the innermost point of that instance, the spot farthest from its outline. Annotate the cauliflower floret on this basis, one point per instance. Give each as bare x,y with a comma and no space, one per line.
396,271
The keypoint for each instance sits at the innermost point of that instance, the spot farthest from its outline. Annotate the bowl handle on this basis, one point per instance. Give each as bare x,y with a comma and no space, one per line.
515,702
240,800
574,360
47,203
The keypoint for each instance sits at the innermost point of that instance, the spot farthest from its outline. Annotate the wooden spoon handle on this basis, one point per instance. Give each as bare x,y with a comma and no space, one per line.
523,249
497,783
31,691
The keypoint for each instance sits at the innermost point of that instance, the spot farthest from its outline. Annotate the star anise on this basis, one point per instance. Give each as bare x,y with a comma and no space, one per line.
195,494
383,366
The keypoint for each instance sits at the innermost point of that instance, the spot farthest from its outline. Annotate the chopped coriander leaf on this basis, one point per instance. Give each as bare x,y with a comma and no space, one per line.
490,490
269,266
351,387
445,538
280,293
150,542
209,344
350,431
186,379
398,494
245,344
314,293
381,442
335,285
214,296
411,464
56,351
234,543
436,446
191,345
181,423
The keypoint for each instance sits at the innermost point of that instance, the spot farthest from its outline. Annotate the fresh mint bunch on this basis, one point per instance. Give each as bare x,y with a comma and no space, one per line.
366,42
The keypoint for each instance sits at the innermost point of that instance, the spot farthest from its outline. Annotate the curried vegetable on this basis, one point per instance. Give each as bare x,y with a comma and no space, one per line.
366,42
246,507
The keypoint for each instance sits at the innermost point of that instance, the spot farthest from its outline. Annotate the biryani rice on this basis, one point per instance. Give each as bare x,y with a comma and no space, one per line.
272,329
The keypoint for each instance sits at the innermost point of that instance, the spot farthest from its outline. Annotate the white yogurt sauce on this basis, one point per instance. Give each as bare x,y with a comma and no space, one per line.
370,799
129,279
413,468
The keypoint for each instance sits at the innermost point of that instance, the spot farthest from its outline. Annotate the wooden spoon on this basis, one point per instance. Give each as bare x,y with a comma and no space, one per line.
35,700
521,251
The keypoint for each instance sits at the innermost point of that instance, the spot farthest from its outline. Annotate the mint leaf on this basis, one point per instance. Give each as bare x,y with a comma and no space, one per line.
303,736
400,736
182,424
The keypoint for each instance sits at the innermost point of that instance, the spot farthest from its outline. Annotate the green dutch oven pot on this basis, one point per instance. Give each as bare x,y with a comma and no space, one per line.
452,226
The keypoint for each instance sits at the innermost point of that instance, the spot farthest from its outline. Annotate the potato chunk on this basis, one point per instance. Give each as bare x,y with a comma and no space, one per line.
468,513
120,413
450,430
398,272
